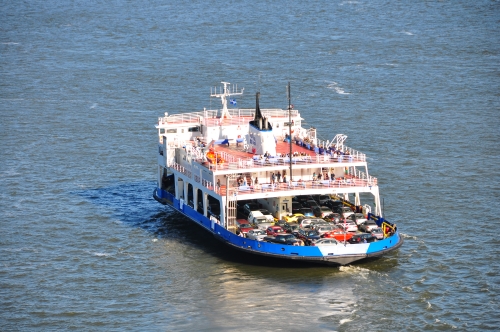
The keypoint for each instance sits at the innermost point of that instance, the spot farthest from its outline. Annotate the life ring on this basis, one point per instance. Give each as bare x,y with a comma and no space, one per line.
254,150
239,136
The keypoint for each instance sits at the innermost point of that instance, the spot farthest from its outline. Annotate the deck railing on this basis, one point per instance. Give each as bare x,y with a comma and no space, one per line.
339,183
237,116
360,180
233,163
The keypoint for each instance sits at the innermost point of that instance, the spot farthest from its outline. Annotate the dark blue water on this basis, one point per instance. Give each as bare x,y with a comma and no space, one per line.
83,246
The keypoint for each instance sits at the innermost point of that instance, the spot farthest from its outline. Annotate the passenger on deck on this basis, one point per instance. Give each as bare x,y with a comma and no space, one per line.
278,176
256,180
314,176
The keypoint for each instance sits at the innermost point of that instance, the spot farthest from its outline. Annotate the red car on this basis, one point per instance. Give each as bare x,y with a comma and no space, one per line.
274,230
244,226
339,235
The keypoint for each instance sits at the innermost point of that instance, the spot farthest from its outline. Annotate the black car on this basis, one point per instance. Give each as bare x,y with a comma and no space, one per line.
290,228
362,238
334,205
307,212
307,235
321,199
249,207
296,206
310,204
283,239
304,198
281,223
333,217
322,211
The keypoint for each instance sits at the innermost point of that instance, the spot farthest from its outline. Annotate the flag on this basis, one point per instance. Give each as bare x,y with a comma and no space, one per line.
233,101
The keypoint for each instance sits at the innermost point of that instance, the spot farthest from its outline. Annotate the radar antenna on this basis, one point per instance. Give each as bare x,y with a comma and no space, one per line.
223,97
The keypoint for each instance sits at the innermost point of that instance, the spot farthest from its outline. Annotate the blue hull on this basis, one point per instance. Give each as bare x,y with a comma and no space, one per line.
340,255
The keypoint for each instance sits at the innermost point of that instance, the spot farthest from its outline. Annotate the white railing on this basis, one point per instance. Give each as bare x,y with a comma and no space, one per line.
232,162
200,116
338,183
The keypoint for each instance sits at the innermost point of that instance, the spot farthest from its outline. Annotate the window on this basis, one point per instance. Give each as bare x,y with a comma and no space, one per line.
171,131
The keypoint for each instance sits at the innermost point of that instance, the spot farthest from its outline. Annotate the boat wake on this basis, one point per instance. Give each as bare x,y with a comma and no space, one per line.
334,86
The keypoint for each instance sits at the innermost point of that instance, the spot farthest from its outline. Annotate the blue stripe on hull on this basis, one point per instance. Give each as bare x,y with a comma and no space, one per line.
360,251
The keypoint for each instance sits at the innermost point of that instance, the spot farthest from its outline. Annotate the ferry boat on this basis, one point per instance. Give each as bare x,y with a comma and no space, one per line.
211,162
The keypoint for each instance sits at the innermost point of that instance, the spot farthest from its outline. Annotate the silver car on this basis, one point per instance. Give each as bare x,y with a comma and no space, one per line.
322,229
326,242
349,226
378,233
256,234
368,226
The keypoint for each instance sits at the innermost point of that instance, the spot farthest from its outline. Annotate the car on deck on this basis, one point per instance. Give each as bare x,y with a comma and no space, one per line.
249,207
322,199
323,228
332,217
362,238
290,228
284,238
326,242
308,236
345,211
367,226
348,225
256,234
274,230
378,233
312,204
243,226
335,206
267,214
358,218
261,222
294,217
322,211
306,222
339,234
308,212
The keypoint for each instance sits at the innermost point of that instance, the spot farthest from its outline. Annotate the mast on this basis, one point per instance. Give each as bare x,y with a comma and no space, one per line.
290,127
224,95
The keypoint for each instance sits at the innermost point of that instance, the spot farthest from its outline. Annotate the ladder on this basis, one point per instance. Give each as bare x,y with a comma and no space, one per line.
232,199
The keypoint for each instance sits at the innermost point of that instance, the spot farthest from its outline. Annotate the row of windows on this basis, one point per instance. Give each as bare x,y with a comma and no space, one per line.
174,130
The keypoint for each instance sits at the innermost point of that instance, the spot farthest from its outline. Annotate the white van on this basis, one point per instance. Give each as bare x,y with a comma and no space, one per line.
260,220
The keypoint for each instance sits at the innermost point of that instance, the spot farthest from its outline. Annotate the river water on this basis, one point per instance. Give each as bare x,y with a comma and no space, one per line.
83,246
